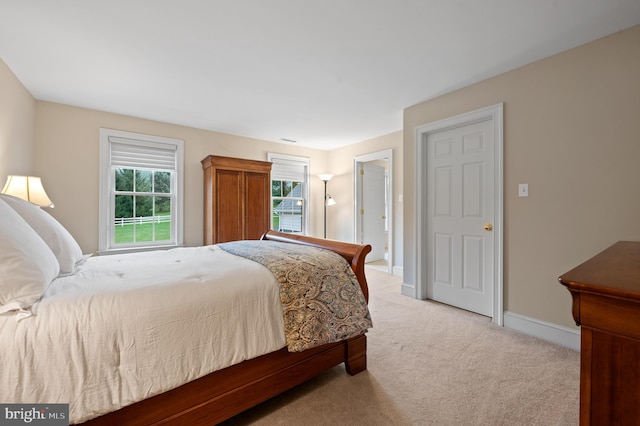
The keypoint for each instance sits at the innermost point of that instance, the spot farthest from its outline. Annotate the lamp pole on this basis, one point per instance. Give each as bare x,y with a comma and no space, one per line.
325,208
325,177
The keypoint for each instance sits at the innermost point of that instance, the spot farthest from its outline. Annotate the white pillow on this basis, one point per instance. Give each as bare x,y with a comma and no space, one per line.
27,265
59,240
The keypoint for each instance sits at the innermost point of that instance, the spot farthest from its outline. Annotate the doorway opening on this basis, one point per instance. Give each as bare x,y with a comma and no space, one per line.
373,178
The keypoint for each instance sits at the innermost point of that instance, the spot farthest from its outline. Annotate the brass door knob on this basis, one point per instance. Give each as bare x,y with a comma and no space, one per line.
488,227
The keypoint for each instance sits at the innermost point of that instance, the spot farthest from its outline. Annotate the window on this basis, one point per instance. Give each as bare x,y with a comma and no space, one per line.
140,191
289,193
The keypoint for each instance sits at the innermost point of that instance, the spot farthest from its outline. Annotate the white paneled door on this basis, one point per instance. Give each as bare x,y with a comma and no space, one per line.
460,216
373,210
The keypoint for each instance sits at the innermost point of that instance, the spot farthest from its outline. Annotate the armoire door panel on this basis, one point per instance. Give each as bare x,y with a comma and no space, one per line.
257,205
229,201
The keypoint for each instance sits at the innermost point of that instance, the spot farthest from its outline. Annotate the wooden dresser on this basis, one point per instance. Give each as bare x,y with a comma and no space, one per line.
606,304
237,197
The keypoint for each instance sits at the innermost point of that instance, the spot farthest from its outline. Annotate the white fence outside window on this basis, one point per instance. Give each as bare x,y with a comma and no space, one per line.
121,221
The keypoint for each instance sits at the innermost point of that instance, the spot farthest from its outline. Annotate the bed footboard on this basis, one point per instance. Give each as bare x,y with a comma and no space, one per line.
354,253
356,359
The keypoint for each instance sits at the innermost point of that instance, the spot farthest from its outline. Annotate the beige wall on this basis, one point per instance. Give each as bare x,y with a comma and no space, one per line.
17,120
67,156
60,143
572,132
340,217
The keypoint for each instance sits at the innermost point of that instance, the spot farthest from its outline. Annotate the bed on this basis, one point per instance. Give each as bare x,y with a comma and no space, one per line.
204,397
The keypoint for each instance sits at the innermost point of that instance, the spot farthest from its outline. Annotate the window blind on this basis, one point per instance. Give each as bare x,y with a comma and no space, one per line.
131,153
288,170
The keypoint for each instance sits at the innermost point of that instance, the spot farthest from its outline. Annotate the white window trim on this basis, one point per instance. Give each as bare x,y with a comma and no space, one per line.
106,207
274,158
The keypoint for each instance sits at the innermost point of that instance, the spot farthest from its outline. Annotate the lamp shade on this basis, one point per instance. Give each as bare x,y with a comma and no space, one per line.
330,200
28,188
326,177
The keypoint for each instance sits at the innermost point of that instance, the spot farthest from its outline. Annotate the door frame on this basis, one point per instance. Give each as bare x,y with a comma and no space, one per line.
387,155
495,114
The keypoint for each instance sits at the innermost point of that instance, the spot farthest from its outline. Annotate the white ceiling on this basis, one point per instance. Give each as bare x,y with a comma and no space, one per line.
325,73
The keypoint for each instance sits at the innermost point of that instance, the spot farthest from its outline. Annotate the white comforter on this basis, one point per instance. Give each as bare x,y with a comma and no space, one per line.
126,327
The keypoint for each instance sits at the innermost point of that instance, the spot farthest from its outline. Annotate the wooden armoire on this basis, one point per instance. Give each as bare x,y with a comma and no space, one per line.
237,194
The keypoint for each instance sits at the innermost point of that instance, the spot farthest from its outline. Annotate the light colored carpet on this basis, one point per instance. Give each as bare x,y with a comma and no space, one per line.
431,364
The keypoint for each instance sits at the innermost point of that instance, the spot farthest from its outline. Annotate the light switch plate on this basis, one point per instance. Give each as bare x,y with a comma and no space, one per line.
523,190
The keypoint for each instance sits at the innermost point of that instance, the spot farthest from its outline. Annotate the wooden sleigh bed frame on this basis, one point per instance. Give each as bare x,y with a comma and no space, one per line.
223,394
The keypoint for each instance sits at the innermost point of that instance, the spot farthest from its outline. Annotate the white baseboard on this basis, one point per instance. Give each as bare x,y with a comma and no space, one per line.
408,290
550,332
398,271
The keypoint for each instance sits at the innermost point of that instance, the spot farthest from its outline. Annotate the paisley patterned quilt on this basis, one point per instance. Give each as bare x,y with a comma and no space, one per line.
321,298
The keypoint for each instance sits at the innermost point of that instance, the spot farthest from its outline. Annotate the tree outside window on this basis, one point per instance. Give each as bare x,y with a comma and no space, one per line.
142,206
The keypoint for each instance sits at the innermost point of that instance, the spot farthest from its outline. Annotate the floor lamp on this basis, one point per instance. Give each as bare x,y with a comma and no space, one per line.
328,201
